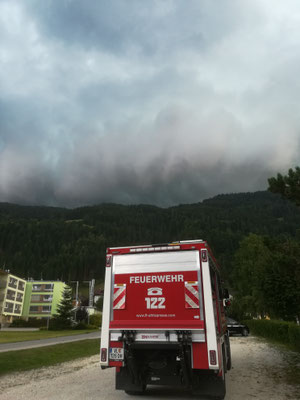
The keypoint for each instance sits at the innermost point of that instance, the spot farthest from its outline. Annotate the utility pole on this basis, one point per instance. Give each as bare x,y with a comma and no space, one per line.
76,297
91,295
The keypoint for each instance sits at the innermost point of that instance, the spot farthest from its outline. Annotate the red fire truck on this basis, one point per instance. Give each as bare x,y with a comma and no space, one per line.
163,318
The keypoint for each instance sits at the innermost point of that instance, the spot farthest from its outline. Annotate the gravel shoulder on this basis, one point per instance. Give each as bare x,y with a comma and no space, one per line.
260,371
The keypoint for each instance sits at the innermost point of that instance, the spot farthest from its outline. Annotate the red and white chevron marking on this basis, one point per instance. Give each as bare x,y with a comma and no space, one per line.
191,295
119,296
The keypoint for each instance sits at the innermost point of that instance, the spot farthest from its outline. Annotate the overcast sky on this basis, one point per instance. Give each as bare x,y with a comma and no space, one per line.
158,102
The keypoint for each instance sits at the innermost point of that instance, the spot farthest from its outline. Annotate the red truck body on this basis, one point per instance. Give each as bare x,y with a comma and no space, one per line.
163,318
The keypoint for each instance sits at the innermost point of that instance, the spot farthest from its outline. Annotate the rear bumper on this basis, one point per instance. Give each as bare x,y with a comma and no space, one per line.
155,335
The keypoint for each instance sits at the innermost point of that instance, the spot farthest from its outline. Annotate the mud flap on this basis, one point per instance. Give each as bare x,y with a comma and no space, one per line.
125,382
208,384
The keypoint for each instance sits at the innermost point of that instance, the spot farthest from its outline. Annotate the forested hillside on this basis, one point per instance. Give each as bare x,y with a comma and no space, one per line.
57,243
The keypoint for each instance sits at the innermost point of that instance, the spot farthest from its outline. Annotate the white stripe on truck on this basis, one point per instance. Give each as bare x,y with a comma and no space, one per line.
156,262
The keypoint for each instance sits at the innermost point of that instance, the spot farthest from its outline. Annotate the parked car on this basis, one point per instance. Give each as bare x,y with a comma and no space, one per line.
235,327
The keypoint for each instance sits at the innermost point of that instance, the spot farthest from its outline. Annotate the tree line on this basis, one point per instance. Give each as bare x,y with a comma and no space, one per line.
50,243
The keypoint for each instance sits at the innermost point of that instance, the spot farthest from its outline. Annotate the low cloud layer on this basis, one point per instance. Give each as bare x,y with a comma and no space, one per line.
154,102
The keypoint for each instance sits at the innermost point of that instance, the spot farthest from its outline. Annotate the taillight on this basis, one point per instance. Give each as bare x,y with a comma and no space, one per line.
204,255
103,355
108,260
213,357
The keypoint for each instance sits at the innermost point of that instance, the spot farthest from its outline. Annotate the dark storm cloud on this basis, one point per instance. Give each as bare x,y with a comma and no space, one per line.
161,102
149,27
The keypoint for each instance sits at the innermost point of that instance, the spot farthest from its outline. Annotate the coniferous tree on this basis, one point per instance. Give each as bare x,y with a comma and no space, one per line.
288,186
62,319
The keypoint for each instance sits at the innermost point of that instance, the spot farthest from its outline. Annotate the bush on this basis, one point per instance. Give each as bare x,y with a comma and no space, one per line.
56,324
82,325
281,331
96,319
294,336
31,323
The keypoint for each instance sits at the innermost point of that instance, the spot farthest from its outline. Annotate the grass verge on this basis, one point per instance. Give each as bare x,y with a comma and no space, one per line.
24,360
23,336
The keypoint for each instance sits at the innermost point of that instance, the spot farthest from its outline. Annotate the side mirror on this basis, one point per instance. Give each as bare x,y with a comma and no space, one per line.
226,302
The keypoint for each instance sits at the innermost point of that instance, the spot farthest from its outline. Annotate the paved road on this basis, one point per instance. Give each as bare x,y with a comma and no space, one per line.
47,342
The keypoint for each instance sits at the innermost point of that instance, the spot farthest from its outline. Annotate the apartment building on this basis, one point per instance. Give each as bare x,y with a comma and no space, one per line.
42,298
12,290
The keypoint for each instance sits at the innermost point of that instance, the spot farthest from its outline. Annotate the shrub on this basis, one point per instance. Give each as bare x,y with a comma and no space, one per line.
56,324
96,319
281,331
31,323
82,325
294,336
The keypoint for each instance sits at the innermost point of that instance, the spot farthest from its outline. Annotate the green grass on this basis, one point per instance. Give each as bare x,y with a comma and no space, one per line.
22,336
24,360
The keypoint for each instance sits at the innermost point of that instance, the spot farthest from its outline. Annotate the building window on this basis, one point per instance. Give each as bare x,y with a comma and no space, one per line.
36,288
17,309
12,283
46,309
34,309
48,298
19,297
10,295
21,286
9,307
35,298
49,287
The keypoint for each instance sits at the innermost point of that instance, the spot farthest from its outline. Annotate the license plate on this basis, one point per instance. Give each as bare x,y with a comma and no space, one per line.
116,353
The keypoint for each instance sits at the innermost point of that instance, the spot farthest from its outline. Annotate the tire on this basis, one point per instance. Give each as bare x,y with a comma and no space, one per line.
221,383
245,332
228,351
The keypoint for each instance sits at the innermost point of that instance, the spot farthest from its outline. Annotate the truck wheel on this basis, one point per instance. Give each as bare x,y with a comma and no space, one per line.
228,351
245,332
221,382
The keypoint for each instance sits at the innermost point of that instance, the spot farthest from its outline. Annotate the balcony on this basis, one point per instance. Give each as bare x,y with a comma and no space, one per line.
21,286
12,284
41,299
40,310
42,288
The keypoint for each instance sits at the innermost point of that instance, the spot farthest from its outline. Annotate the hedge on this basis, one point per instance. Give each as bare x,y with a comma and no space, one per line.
31,323
281,331
294,336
